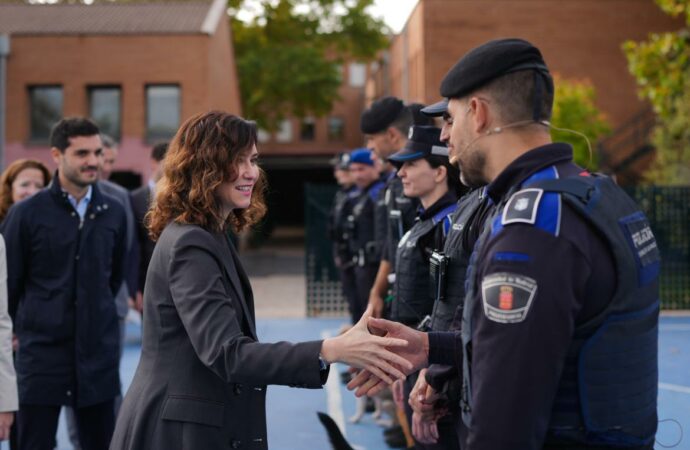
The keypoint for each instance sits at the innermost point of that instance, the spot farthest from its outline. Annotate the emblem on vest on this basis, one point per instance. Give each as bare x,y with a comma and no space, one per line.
507,297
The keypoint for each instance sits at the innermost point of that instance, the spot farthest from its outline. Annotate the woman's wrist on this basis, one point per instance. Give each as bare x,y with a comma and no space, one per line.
329,350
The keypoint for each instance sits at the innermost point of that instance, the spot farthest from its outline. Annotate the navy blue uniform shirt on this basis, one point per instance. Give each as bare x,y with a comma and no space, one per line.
516,366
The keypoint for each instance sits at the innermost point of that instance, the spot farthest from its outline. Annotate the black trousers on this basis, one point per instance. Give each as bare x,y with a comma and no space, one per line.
364,279
349,283
37,426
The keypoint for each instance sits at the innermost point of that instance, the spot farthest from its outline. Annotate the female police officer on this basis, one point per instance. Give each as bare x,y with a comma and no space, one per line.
427,175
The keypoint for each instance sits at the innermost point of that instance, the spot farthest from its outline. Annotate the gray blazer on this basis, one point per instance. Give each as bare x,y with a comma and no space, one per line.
8,378
201,380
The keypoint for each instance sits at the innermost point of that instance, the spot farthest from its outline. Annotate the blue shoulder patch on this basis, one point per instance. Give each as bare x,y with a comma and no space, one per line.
534,207
375,190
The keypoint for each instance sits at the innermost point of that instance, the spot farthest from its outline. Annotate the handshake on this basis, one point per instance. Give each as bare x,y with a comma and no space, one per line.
387,352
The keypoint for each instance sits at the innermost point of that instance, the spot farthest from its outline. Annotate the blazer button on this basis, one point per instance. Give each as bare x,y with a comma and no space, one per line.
237,389
236,444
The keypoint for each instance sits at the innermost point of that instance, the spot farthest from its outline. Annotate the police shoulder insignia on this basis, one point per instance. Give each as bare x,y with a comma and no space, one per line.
507,297
522,207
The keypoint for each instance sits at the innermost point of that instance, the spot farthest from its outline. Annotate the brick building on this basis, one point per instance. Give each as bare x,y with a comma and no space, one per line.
137,69
580,39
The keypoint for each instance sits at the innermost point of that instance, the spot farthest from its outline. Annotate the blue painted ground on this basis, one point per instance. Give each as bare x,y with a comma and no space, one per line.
292,421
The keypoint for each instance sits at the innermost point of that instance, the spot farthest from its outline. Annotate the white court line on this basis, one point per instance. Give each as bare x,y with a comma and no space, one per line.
333,397
675,388
676,327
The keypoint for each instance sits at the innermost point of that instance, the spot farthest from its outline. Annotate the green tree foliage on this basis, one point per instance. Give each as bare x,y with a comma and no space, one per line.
574,108
289,56
661,66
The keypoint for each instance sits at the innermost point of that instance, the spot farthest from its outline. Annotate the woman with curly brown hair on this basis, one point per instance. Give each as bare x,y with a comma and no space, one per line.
202,376
22,179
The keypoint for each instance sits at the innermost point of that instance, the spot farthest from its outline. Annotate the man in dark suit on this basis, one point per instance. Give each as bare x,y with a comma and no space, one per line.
65,251
141,200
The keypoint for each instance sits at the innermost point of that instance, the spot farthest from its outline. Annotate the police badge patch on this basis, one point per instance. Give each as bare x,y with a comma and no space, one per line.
522,206
507,297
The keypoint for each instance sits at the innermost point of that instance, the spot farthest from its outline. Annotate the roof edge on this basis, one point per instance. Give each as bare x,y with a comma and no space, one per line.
213,16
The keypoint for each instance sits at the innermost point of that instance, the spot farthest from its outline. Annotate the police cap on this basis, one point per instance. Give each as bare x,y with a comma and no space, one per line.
423,141
485,63
362,156
340,161
380,115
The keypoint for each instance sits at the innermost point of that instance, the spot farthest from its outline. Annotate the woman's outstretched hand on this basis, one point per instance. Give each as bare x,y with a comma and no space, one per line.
416,353
361,349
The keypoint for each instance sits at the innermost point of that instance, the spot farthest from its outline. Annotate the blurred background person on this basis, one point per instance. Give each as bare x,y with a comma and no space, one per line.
337,227
9,401
361,226
141,199
22,179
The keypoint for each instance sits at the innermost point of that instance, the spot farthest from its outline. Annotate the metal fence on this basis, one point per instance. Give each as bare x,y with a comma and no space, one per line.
668,209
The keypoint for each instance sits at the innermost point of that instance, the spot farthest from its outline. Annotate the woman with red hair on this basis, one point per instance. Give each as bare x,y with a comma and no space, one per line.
202,377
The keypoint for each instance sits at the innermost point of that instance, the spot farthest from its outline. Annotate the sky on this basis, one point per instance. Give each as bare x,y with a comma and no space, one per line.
393,12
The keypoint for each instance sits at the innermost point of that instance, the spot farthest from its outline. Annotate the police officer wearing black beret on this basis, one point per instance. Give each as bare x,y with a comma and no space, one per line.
558,343
386,124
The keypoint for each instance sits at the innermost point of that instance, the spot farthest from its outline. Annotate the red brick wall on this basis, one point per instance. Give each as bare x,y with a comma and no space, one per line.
200,64
579,39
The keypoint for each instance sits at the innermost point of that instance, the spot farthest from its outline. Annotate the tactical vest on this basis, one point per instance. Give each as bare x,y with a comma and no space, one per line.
361,227
412,300
401,214
342,207
608,388
448,269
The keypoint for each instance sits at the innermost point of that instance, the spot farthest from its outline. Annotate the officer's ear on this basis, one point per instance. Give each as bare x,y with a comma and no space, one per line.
441,174
478,114
396,137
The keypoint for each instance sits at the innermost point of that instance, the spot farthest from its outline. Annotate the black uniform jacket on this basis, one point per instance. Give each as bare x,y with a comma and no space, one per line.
202,376
516,367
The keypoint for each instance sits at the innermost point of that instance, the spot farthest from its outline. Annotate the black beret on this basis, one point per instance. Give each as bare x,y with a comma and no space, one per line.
423,141
484,63
380,115
488,61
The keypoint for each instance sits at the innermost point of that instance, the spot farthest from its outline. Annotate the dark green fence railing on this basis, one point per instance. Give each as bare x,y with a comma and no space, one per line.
668,209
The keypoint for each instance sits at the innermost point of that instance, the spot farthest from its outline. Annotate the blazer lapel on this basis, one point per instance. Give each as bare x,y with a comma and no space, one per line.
237,275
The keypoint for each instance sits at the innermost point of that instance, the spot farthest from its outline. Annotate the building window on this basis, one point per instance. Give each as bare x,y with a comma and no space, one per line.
162,111
45,110
104,109
336,129
263,136
284,133
357,75
307,131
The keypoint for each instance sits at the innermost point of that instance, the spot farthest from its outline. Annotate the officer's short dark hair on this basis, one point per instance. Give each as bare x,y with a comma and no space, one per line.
512,96
71,127
158,151
453,173
108,141
403,122
417,117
